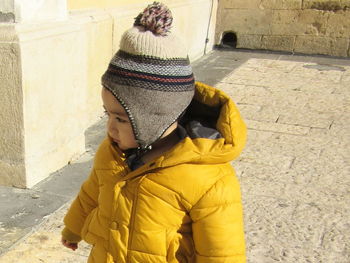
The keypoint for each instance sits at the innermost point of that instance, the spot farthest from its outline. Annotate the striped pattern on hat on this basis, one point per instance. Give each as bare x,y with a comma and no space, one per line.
151,73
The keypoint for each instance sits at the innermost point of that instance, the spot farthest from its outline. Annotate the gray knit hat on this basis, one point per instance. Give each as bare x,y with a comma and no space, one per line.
151,75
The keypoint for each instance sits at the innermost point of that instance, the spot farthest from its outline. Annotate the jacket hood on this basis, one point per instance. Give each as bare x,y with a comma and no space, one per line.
215,130
213,133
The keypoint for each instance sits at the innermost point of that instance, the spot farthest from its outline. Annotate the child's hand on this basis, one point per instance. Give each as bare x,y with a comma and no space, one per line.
72,246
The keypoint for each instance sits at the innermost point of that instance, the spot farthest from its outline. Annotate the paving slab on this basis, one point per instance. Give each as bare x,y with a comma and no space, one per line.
294,172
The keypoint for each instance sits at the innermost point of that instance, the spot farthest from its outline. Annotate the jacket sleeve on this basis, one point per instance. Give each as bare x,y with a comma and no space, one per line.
83,204
70,236
217,224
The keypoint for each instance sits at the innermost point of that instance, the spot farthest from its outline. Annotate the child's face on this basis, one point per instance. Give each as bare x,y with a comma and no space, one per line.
118,127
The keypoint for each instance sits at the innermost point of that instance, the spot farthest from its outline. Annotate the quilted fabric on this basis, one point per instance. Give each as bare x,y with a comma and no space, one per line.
185,206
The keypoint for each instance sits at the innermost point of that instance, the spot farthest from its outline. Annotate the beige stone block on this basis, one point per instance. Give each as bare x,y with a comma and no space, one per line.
12,174
283,230
326,5
288,100
318,87
266,114
247,21
296,145
258,63
245,76
318,138
338,24
266,219
328,103
284,66
307,150
258,113
54,105
11,113
263,69
292,77
346,76
317,18
34,11
245,94
58,104
308,119
317,73
299,86
190,18
279,127
338,157
285,16
281,4
249,111
341,133
12,149
322,45
264,172
274,100
314,22
253,187
249,41
342,89
320,195
285,22
281,43
282,162
335,173
219,24
40,164
241,4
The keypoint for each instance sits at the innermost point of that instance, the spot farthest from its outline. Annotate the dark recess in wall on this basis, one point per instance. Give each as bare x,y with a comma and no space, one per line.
229,39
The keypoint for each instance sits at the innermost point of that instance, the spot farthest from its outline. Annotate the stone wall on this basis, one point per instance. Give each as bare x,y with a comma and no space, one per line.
300,26
50,73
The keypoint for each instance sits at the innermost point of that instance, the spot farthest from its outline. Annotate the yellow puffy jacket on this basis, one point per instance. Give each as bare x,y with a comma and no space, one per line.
185,206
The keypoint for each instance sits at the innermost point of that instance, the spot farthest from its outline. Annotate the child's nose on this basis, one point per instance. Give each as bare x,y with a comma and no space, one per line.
112,125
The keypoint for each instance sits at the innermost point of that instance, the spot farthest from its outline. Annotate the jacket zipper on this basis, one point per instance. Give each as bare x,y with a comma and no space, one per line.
132,223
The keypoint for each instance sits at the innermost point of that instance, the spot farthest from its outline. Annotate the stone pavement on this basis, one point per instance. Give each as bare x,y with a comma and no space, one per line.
294,171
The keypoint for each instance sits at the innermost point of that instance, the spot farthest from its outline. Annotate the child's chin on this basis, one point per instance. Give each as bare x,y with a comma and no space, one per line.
118,145
122,147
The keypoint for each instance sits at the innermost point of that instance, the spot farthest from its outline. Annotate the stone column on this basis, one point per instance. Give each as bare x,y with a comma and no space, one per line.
39,90
12,155
51,65
24,11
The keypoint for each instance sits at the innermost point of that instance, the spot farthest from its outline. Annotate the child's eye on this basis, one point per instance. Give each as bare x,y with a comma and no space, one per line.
120,120
117,118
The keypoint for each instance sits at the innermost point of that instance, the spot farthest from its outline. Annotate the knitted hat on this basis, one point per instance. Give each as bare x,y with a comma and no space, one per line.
151,75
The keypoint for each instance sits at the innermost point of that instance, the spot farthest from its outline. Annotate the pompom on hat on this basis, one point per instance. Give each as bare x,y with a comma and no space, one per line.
151,75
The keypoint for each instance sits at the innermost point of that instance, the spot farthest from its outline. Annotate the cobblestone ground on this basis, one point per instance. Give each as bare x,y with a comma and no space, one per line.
294,171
